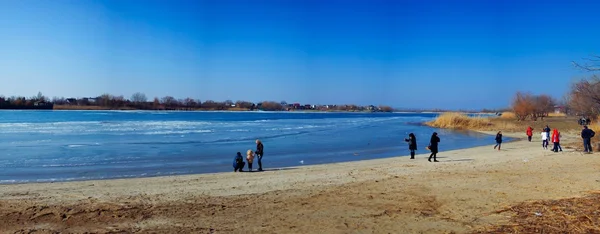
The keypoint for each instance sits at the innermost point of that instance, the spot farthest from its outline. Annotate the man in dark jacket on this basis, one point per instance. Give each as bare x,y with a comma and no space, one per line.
259,153
587,135
238,163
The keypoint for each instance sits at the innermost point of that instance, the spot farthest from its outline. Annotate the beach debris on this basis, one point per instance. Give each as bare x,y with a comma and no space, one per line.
569,215
525,160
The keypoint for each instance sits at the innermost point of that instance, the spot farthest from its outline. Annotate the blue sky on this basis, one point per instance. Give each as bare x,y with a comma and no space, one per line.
430,54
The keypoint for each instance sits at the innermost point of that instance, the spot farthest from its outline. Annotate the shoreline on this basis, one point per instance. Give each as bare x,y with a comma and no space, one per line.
423,152
459,194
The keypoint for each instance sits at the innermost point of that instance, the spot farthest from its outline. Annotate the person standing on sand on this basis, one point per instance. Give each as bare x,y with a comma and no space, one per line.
556,141
259,153
529,133
250,158
412,144
238,163
498,140
587,135
433,146
547,131
544,140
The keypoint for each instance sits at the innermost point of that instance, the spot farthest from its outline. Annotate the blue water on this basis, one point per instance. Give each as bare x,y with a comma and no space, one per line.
44,146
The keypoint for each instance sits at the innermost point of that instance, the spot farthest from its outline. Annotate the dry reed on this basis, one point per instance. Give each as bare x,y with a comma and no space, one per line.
460,121
572,215
508,115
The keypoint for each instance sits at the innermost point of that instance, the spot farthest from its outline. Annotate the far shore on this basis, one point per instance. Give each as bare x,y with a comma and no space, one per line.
460,194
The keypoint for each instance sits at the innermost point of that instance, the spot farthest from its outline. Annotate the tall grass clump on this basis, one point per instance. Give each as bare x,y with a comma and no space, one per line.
508,115
460,121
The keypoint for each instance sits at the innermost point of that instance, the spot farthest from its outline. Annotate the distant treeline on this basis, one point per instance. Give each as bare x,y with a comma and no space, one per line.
35,102
139,101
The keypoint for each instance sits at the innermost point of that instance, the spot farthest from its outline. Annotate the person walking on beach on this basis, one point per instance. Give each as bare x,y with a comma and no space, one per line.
547,131
250,158
529,133
238,163
556,141
259,153
544,140
412,144
433,146
587,135
498,140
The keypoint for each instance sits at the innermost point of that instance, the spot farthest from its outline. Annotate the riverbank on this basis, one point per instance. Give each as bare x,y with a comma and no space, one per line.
460,194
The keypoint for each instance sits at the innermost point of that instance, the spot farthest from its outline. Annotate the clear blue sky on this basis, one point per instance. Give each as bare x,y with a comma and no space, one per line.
463,54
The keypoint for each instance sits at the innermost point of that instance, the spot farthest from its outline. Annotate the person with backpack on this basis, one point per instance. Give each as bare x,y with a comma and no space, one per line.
556,141
238,163
498,140
433,146
529,133
412,144
587,135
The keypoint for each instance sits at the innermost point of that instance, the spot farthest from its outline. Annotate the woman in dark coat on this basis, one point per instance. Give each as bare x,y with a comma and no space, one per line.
412,144
498,140
433,146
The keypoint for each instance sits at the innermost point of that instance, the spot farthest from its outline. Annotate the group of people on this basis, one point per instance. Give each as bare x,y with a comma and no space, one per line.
547,137
433,146
238,161
586,134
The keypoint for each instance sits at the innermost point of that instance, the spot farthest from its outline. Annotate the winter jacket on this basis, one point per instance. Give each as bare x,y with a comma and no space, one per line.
587,133
238,160
529,131
433,143
555,136
499,138
412,143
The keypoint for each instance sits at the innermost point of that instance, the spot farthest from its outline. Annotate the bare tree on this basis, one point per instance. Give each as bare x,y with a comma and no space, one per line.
584,97
592,64
139,98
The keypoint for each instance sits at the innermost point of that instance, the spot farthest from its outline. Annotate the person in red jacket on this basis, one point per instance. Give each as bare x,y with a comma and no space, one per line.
556,140
529,133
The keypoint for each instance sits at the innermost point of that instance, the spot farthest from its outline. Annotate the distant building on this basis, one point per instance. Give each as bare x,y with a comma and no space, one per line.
559,109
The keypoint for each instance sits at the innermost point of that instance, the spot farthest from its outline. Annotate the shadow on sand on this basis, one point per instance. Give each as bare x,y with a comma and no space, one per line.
272,169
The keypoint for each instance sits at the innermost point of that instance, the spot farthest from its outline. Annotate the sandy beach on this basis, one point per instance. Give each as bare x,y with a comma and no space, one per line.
460,194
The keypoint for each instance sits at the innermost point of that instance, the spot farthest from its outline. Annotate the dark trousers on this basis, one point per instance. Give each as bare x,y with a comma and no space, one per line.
412,153
587,145
556,147
259,156
498,144
529,138
249,166
545,144
434,155
239,166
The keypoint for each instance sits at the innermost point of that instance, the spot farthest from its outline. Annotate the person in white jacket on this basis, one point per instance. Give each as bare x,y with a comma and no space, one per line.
544,140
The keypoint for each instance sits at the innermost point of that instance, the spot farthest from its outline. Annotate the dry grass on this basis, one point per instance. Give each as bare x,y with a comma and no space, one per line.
557,115
460,121
572,215
508,115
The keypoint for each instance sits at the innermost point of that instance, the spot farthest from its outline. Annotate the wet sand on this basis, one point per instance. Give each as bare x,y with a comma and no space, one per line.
394,195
